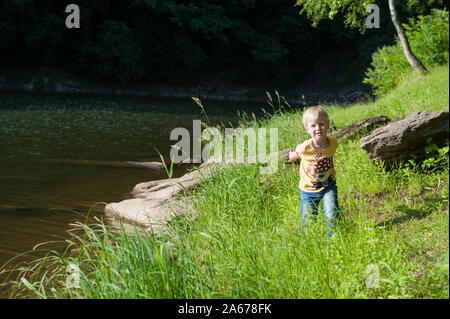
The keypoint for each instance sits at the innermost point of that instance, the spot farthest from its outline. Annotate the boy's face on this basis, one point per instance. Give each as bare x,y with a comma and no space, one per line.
318,128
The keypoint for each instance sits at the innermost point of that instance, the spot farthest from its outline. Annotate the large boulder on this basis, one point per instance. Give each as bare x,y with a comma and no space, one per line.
407,138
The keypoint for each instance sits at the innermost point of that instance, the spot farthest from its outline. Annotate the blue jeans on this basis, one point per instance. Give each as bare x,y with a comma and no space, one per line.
310,206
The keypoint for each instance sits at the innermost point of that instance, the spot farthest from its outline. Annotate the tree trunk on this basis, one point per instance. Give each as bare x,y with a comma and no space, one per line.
412,59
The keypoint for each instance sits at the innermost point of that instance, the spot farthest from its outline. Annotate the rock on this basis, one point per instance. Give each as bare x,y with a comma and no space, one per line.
401,139
151,186
149,214
169,189
165,188
366,125
156,202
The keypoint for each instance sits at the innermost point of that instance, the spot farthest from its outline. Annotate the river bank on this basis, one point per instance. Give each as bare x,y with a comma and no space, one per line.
61,153
391,242
54,81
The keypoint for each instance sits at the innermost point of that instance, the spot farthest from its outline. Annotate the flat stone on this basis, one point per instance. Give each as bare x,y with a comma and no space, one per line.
147,213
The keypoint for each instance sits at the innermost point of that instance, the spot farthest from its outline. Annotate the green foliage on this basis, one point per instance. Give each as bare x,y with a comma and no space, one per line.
354,12
429,40
422,7
32,27
429,37
166,41
114,53
388,65
173,41
437,157
169,170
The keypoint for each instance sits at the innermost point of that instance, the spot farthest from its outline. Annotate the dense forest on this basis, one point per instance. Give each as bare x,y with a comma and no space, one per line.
175,41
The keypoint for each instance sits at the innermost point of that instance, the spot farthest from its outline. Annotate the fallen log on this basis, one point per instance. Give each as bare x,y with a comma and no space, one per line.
364,126
130,164
10,208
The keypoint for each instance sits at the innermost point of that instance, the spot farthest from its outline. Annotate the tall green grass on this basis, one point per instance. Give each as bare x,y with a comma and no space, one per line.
246,241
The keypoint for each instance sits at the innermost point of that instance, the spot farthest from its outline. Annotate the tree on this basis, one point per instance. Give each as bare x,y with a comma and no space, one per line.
354,13
412,59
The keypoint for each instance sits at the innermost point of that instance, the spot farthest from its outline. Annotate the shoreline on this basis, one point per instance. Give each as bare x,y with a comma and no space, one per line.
55,82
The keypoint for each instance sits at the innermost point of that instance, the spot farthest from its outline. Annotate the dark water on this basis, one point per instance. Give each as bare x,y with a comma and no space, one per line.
41,194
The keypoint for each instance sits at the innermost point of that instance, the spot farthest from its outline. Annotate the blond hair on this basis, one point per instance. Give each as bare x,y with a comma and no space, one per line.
314,112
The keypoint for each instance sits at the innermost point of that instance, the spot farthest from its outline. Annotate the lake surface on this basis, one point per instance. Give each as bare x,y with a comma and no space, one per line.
41,193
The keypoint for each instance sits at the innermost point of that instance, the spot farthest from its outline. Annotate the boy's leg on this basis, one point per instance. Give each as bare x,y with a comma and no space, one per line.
309,206
330,207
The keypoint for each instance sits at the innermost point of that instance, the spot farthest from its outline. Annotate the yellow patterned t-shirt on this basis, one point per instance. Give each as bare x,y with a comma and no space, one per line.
316,168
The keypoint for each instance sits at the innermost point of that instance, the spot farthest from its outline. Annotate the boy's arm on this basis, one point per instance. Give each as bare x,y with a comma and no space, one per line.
293,155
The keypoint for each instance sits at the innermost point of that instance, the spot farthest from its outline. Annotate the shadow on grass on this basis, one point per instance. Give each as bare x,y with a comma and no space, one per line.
407,214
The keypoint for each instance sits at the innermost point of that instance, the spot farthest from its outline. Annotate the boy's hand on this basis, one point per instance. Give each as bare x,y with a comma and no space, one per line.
292,155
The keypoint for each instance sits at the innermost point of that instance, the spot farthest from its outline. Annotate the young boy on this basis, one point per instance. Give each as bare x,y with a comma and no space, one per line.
317,174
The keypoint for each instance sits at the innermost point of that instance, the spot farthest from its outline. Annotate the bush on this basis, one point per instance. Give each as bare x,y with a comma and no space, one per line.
429,40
